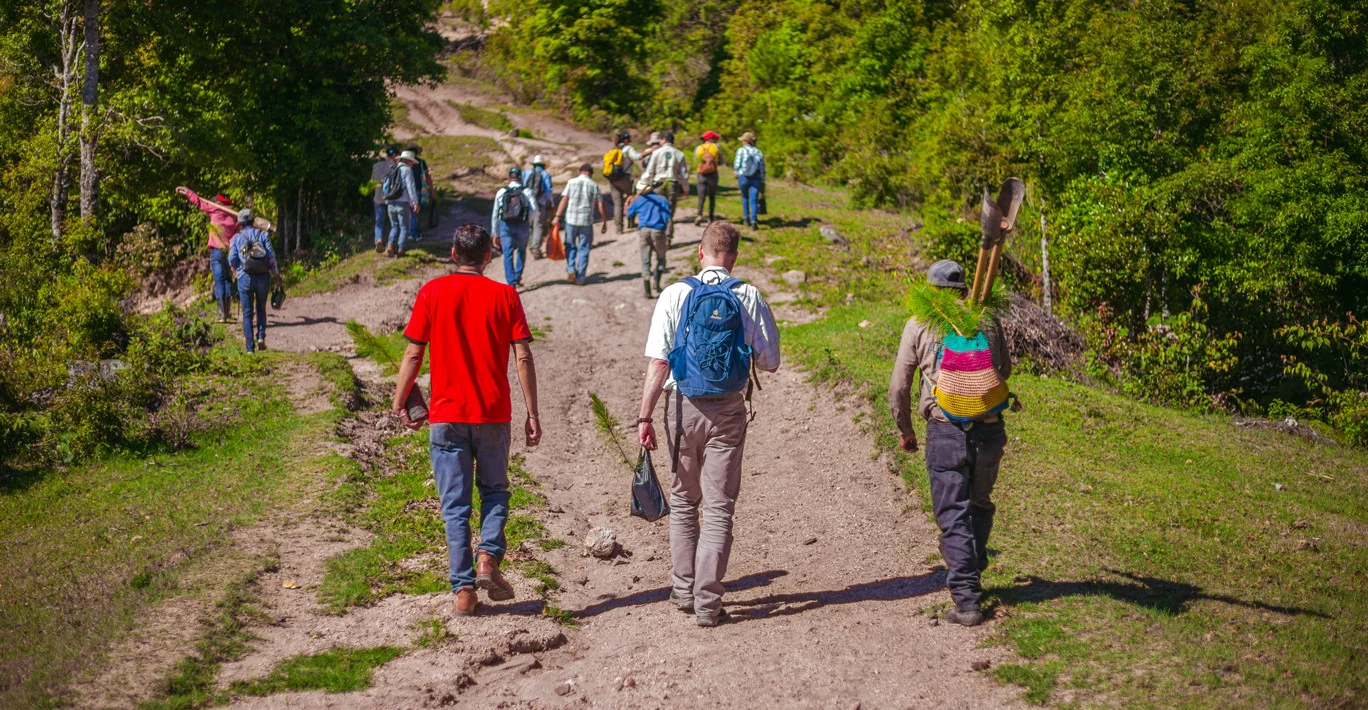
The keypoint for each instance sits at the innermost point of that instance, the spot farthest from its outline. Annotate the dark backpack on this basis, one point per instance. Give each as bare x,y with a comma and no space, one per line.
255,261
710,354
393,186
537,186
516,210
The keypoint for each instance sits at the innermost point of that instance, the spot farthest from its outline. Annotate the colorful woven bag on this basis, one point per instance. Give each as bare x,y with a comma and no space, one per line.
968,387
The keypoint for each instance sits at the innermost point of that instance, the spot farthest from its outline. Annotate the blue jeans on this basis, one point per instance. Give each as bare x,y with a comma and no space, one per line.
413,225
460,453
578,242
223,276
513,241
750,196
399,212
380,210
254,292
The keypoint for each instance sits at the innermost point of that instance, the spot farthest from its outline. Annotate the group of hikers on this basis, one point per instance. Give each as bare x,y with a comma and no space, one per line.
525,210
402,190
708,337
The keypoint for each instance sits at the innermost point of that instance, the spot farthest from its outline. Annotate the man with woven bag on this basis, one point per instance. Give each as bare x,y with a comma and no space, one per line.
962,354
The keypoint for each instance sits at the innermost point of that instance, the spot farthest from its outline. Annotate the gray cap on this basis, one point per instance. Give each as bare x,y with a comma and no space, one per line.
246,216
946,273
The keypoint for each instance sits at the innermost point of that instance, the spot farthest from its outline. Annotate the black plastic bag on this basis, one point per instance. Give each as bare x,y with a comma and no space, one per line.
648,500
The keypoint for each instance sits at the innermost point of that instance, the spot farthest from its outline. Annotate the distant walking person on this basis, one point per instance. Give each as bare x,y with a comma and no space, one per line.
515,209
580,201
401,196
667,165
962,457
706,335
749,166
470,323
538,183
707,159
423,178
379,171
253,259
223,224
617,167
652,213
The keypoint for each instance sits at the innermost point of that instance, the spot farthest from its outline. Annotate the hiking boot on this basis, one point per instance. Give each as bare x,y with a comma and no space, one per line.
708,622
579,280
964,617
491,580
538,255
681,603
401,253
647,285
390,250
466,601
379,247
570,277
261,344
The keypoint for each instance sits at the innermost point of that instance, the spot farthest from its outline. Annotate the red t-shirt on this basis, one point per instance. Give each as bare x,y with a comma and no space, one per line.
469,322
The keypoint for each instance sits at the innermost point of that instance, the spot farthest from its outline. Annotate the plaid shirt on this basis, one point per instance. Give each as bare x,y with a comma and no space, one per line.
581,195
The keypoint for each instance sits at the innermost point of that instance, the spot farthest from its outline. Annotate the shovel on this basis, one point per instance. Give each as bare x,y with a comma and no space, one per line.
259,222
996,220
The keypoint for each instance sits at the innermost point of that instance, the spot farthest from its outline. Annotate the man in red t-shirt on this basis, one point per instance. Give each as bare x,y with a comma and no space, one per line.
470,322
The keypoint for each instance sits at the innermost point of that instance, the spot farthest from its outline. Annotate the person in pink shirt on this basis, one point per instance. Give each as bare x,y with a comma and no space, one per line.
223,225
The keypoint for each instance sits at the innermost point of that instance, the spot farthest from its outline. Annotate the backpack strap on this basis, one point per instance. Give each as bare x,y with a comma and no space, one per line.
679,427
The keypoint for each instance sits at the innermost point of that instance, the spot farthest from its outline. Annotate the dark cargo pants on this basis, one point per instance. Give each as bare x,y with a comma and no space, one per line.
963,466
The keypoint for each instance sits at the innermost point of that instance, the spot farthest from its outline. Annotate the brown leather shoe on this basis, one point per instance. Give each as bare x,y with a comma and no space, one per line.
490,579
570,278
390,250
466,601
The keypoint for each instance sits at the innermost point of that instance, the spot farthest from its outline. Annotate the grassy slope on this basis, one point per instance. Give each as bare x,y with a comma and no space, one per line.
1143,556
87,549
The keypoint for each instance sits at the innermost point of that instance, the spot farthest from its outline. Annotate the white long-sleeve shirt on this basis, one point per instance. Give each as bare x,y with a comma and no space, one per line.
497,213
667,163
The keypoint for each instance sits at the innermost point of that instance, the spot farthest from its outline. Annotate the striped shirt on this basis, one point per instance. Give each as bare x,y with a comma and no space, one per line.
581,195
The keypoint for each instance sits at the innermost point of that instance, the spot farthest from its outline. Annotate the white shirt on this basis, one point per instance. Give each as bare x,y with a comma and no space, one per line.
760,331
497,215
667,163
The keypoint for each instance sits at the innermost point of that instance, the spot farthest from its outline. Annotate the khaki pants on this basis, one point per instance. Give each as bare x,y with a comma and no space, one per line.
652,241
707,482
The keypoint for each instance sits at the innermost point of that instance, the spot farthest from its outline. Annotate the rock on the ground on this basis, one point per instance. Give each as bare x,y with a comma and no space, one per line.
601,542
565,687
830,234
794,277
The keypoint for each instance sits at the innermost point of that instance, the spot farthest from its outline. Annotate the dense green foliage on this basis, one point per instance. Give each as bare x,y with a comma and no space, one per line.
1196,165
279,104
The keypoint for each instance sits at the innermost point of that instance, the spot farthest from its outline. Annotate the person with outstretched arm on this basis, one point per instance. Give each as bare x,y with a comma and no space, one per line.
223,225
711,331
469,324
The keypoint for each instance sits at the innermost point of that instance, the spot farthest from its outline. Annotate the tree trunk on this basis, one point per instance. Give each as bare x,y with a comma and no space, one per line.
90,177
66,78
1045,286
299,215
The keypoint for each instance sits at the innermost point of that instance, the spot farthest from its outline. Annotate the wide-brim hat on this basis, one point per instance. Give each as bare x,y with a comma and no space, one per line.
409,156
537,160
748,137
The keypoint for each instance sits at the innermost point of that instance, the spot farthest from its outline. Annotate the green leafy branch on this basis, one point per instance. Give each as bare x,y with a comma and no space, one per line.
608,426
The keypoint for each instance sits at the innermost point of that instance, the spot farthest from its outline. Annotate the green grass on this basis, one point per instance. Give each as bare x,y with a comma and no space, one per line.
1143,556
449,155
338,670
434,633
399,504
482,117
382,270
89,548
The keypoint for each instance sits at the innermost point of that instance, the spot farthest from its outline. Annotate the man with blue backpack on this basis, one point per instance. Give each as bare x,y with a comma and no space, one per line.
253,260
708,336
515,209
961,395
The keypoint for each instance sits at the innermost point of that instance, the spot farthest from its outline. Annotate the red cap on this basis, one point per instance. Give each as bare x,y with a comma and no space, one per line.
222,198
711,136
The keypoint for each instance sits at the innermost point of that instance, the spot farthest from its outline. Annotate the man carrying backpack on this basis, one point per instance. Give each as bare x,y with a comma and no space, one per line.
401,198
617,167
252,258
749,166
652,213
515,209
423,178
579,203
669,166
963,452
707,335
470,323
379,171
538,182
707,158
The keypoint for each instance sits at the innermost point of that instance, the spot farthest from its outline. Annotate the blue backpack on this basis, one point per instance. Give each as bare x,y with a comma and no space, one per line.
710,354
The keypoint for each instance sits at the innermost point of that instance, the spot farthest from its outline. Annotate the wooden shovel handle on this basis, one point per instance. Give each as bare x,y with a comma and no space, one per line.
979,272
994,259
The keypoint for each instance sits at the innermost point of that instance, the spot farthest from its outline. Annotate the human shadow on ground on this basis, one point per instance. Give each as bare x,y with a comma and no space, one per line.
597,277
883,590
276,322
660,594
778,223
1161,595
